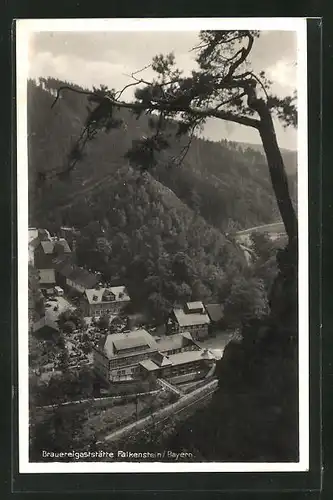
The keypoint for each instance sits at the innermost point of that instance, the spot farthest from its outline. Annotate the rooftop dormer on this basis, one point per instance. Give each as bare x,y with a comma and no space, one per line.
108,296
194,307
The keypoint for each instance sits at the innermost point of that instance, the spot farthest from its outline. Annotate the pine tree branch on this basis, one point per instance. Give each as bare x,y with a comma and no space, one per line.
244,52
170,106
194,111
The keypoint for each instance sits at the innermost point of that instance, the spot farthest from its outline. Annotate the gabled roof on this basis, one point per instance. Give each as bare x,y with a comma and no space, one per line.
117,345
215,311
54,246
181,358
190,319
34,243
45,321
44,234
47,246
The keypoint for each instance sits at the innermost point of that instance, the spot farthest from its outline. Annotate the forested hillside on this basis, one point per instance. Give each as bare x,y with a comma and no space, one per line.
225,183
140,231
161,233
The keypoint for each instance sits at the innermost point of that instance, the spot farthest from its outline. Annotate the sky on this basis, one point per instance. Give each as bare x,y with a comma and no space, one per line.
94,58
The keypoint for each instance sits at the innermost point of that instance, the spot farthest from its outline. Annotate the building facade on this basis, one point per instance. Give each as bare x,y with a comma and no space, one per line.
216,315
118,356
137,355
45,326
70,276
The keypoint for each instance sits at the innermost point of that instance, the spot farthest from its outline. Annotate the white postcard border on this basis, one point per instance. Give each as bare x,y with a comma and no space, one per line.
24,28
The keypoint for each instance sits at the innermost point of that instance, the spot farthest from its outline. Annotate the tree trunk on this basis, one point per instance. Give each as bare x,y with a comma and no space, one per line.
278,174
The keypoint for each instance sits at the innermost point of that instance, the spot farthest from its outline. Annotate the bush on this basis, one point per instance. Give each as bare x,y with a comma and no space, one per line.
69,327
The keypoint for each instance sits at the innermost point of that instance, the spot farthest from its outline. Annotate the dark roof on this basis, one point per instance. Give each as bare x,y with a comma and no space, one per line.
46,276
83,277
160,359
34,242
194,307
191,319
78,275
215,311
61,260
65,268
43,322
116,294
55,246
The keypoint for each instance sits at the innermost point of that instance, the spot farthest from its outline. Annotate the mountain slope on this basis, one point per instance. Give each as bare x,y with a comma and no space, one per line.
137,230
227,186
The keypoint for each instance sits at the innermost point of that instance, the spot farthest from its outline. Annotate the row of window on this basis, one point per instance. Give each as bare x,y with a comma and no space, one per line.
195,327
128,361
98,310
180,370
140,357
133,349
181,349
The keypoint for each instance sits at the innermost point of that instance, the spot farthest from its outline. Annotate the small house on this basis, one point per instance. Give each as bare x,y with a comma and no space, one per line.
192,318
215,313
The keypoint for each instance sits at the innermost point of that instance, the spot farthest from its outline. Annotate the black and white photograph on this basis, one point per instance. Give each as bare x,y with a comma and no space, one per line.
162,245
